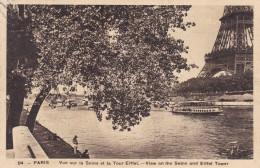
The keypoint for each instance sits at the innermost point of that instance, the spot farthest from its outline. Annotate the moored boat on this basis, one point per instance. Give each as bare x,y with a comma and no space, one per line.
196,107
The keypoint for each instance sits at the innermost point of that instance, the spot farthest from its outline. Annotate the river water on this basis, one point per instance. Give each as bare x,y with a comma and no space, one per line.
161,135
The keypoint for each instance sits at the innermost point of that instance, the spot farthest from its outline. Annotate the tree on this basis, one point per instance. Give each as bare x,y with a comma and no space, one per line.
235,82
20,60
124,54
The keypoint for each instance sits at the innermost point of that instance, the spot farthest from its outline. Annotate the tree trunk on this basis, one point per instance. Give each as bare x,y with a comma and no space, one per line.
17,94
36,107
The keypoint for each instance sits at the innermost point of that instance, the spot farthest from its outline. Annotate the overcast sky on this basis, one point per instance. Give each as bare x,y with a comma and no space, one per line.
200,38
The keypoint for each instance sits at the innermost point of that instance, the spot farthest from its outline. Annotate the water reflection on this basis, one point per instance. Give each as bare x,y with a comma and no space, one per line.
162,135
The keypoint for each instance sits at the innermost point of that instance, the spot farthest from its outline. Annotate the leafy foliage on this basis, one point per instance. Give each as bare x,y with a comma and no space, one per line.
21,49
236,82
124,54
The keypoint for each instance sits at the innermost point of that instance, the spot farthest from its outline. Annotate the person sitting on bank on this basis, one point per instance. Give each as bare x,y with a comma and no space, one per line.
75,144
85,154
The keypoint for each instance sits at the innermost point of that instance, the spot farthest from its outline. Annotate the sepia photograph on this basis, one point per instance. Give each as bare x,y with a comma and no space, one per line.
129,82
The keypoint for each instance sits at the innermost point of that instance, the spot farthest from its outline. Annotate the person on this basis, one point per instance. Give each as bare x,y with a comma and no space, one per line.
75,144
85,154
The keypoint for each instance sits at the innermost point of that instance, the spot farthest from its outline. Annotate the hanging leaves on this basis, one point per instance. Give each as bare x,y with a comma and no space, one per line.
123,54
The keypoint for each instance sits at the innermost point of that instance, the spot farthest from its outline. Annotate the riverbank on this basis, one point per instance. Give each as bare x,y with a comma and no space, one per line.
223,100
53,147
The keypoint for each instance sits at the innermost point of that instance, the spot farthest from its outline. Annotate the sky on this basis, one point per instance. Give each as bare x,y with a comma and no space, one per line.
200,38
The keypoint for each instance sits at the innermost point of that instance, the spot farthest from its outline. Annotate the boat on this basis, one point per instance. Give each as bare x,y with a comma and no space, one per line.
196,107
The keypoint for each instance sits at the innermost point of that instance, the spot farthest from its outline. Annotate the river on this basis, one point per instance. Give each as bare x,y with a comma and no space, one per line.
161,135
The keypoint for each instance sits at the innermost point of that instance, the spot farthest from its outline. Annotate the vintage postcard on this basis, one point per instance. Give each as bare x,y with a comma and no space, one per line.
130,84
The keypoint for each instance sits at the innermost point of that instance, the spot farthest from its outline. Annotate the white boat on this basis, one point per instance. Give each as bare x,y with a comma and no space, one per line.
196,107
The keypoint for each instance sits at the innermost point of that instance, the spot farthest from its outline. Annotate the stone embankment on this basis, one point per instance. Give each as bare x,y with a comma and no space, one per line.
52,145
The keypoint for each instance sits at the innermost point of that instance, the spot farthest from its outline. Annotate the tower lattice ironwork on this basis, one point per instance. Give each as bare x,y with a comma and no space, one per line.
233,48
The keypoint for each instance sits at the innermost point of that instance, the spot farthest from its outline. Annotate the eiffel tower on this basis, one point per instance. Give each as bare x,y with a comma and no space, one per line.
233,48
